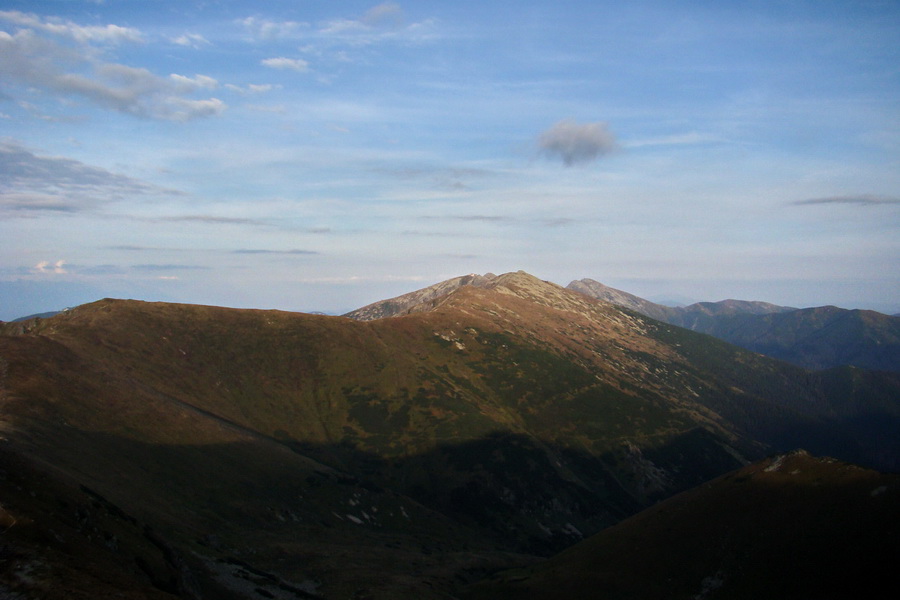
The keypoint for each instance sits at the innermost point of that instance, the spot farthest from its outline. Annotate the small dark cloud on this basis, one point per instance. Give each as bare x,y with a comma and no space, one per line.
284,252
577,143
860,200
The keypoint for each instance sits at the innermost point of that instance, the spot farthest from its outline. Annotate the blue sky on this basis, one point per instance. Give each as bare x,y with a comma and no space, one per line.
318,156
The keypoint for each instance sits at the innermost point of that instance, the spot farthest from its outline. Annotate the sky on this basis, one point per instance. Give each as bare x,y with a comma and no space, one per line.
319,156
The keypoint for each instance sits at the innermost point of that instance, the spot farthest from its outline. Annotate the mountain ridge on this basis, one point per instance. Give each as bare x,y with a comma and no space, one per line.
815,338
503,423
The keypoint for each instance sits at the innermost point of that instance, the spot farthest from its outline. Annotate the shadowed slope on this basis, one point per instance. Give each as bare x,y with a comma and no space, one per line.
792,526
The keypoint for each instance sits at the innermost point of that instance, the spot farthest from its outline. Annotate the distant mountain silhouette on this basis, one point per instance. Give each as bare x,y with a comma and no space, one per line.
43,315
815,338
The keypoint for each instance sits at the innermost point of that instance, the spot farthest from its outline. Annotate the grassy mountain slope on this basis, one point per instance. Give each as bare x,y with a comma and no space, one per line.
503,422
818,338
792,526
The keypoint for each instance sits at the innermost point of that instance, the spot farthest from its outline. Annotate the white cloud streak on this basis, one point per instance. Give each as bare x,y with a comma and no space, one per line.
56,268
387,15
281,62
265,29
33,60
191,40
109,34
252,88
382,23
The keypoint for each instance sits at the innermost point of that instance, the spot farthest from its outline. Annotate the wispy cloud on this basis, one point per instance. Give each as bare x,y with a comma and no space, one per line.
267,29
284,63
170,267
192,40
211,219
388,15
294,251
558,221
31,202
131,248
102,270
859,200
454,179
33,56
30,182
384,22
191,84
364,279
474,218
46,267
252,88
111,34
577,143
681,139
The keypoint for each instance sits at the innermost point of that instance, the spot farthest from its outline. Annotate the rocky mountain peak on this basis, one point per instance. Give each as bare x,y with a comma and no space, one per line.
418,300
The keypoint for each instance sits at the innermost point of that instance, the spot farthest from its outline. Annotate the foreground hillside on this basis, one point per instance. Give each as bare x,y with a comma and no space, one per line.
209,452
792,526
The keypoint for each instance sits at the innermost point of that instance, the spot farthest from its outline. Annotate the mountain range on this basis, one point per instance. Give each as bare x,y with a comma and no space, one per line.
815,338
154,450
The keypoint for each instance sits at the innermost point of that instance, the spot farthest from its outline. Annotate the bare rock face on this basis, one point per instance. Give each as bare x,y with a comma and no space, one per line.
418,300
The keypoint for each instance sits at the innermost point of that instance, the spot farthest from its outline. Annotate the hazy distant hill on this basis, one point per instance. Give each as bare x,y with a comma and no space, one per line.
44,315
815,338
597,290
209,452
